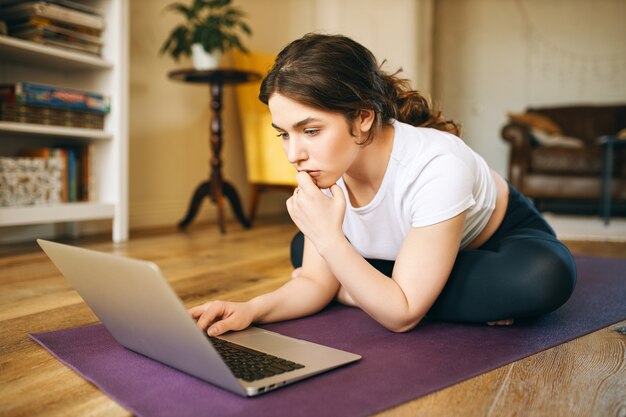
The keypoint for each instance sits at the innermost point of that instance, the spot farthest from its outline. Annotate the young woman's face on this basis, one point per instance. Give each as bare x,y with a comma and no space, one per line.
315,141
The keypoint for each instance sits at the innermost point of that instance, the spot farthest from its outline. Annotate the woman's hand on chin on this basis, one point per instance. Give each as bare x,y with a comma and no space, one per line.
317,215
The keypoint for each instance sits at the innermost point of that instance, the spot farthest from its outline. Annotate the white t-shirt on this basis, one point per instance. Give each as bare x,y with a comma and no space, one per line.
432,176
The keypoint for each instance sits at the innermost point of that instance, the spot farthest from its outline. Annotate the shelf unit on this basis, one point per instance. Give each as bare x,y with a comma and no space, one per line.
22,60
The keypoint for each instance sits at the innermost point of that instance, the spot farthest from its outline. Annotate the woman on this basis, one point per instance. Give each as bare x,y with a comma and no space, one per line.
386,190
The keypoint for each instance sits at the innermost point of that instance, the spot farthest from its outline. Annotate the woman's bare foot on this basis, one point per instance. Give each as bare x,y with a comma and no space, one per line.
506,322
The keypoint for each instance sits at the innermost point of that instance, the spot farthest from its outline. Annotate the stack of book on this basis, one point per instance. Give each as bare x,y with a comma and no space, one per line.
58,23
26,102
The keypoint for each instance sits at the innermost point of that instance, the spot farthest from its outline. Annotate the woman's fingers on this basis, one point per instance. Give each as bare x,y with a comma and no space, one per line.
215,310
221,326
197,311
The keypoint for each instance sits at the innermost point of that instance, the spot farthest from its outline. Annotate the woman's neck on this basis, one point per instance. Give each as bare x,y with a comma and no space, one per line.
365,176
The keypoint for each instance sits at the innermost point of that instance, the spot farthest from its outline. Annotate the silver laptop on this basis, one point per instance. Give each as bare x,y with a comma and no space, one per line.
135,303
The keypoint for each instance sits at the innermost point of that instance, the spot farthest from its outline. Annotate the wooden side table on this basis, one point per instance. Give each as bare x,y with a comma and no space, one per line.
216,187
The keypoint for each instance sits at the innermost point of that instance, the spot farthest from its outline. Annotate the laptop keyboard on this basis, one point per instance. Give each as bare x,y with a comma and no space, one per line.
249,364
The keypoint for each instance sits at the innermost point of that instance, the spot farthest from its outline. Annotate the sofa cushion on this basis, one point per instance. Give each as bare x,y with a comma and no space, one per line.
547,139
566,161
536,121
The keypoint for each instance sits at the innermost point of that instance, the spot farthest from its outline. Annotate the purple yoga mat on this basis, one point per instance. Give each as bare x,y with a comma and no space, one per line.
395,367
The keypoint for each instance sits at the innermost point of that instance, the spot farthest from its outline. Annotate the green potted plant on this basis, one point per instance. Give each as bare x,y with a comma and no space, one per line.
211,28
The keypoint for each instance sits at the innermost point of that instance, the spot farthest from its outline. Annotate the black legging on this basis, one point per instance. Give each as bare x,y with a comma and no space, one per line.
523,270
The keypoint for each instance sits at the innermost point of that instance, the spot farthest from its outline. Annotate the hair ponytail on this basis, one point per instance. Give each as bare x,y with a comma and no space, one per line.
337,74
413,108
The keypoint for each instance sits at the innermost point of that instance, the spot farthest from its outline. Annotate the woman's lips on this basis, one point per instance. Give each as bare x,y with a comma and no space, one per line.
313,173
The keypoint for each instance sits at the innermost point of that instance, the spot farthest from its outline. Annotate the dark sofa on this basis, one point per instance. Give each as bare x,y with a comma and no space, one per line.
562,176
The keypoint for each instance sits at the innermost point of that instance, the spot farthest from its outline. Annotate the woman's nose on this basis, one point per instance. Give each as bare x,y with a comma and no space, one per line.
295,151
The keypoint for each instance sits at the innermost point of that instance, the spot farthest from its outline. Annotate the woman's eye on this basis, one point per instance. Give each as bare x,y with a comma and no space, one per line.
311,132
283,135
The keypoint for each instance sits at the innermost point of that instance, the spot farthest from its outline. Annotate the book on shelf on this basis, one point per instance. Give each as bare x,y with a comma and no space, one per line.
43,28
70,4
36,94
72,170
77,180
86,184
73,46
20,113
41,22
61,11
54,37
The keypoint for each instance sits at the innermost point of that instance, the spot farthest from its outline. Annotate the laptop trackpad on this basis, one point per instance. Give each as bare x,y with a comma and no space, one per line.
268,342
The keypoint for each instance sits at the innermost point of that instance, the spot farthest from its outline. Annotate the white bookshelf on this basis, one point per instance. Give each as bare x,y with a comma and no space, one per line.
43,131
25,52
22,60
68,212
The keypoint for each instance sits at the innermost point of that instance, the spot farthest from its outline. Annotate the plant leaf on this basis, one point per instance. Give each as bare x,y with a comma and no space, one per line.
180,8
244,26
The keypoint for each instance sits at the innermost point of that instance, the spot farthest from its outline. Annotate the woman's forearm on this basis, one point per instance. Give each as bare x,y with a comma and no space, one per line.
299,297
375,293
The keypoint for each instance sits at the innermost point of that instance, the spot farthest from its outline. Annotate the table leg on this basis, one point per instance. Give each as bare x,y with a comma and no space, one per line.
216,188
204,191
215,141
229,191
607,175
215,193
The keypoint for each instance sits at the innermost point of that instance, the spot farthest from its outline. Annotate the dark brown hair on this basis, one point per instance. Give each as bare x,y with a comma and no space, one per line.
337,74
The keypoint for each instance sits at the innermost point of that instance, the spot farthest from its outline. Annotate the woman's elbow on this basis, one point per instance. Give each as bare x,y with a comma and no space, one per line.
403,326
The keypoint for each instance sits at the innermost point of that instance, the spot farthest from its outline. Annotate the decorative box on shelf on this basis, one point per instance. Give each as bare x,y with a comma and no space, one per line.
30,181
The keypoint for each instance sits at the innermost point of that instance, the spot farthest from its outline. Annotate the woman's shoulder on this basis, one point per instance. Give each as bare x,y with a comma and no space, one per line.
422,144
432,135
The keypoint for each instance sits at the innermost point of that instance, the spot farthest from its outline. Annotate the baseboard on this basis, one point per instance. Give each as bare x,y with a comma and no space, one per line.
31,232
588,228
28,233
165,212
578,207
170,212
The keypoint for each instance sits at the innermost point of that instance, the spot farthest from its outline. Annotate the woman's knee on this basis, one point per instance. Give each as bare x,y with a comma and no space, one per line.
553,278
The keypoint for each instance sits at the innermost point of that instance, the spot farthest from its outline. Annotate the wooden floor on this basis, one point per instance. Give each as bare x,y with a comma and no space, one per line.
585,377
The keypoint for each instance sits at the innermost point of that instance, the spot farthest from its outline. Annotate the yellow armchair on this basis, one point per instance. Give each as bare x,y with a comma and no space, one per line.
266,163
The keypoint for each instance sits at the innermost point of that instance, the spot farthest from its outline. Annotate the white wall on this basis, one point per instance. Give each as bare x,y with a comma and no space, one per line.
169,120
393,31
499,56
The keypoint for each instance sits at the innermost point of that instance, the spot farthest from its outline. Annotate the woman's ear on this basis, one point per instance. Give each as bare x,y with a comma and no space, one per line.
365,120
